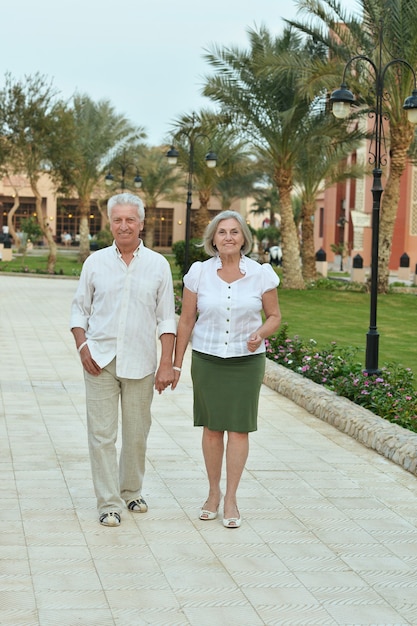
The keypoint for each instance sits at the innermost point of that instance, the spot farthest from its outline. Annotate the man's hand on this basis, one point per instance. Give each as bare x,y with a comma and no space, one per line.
164,377
88,362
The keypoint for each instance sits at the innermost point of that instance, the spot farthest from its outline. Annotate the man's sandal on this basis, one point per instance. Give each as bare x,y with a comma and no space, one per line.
110,519
138,505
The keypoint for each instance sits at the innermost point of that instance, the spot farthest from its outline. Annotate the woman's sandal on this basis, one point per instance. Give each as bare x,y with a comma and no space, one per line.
205,514
232,522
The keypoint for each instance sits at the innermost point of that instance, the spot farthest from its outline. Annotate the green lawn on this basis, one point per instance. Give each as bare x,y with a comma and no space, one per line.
343,316
67,264
323,315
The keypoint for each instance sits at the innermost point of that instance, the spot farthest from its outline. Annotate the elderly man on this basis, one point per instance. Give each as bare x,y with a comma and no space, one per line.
124,299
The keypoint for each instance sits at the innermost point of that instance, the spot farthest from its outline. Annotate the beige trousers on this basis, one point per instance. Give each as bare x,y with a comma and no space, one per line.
117,482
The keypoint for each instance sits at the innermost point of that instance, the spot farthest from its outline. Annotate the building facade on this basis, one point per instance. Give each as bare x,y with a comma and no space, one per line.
344,217
61,214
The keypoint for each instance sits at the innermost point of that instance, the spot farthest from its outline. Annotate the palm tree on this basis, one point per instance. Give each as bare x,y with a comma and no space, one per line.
159,182
322,164
97,132
346,36
266,198
270,110
238,174
194,137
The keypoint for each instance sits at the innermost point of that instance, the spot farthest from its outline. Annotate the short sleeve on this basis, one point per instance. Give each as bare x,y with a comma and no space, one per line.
270,280
192,277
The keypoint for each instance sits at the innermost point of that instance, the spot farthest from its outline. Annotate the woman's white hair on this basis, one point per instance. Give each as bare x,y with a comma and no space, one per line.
212,227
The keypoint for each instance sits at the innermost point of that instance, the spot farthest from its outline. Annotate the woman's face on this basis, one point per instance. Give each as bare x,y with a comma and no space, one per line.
228,237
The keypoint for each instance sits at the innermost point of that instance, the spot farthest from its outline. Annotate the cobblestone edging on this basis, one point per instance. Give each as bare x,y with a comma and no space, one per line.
394,442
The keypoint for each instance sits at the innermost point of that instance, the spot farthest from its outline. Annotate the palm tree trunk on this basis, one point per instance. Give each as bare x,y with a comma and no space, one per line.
307,246
400,139
292,276
201,217
150,226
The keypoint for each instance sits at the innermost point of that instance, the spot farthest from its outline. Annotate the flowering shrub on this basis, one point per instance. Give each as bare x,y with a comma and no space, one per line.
390,394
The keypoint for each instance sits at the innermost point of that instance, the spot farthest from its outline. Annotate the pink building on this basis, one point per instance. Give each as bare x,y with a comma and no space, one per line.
344,215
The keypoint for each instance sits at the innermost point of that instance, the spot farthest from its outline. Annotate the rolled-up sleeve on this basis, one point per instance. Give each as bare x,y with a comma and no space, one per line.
165,310
81,303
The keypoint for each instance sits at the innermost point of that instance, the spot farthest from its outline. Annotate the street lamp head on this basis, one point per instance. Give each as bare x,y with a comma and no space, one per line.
137,181
172,156
109,179
342,99
211,159
410,105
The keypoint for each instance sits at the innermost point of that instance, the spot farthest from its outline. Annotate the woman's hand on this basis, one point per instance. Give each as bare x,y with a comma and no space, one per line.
177,374
254,341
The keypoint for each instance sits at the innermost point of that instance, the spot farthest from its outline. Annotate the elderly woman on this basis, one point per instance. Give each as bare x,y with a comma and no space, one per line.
222,303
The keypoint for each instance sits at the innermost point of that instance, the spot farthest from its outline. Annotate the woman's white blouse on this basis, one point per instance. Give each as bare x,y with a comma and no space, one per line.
228,313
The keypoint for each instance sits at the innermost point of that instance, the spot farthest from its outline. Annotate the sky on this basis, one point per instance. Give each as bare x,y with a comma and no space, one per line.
145,57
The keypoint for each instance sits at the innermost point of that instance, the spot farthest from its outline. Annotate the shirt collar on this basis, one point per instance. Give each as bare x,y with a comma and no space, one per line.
242,263
135,253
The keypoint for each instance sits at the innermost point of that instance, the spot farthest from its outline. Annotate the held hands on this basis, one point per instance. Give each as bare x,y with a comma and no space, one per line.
164,377
254,341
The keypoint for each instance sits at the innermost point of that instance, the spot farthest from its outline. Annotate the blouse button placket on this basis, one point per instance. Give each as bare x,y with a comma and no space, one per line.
228,309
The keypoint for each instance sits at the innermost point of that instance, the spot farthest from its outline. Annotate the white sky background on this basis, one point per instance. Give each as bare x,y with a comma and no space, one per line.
145,57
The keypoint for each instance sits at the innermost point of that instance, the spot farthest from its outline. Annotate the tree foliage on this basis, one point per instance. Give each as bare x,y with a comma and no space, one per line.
345,36
97,136
29,130
270,111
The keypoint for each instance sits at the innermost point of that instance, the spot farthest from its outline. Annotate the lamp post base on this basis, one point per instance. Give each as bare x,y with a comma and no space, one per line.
372,350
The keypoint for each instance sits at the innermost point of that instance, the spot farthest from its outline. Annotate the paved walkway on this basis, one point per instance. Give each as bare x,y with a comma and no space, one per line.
329,527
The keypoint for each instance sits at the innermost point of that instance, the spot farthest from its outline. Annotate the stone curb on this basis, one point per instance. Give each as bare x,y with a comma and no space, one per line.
394,442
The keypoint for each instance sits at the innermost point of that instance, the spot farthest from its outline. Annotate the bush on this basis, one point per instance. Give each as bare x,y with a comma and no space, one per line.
196,253
104,238
391,394
329,284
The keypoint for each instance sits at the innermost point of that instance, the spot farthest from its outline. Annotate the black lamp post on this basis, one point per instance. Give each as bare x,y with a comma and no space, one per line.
124,165
342,100
211,162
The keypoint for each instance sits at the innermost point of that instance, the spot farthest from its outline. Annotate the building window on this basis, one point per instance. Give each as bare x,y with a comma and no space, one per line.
321,221
68,220
26,209
163,228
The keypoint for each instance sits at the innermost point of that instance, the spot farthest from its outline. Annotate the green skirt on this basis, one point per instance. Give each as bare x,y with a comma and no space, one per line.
226,391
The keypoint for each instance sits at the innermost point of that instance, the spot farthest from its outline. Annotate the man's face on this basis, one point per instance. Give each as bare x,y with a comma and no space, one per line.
125,226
